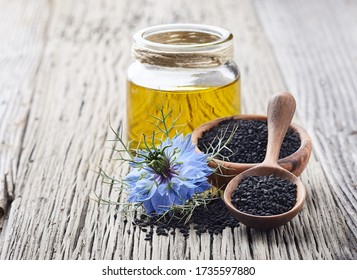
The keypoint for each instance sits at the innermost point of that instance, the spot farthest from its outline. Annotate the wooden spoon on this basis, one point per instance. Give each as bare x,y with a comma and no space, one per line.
281,109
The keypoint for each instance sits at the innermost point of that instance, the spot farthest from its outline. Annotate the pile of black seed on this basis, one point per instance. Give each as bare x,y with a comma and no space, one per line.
249,141
264,195
212,218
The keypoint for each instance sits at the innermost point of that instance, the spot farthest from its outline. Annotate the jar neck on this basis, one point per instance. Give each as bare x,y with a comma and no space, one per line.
183,46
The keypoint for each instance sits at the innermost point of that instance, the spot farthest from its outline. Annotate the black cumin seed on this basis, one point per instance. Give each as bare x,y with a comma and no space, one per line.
249,141
264,195
212,218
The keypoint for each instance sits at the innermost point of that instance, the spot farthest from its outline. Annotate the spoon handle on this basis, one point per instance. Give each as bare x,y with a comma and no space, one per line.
281,109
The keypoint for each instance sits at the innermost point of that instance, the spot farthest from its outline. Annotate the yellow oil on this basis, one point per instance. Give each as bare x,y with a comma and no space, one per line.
191,107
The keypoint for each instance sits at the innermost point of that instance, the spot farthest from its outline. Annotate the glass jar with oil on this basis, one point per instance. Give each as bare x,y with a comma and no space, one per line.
184,70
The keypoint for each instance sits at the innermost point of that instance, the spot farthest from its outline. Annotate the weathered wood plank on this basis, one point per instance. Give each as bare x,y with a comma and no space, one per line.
22,29
315,45
80,83
53,204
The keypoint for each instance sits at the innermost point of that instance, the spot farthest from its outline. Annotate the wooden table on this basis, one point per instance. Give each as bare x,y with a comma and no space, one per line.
62,77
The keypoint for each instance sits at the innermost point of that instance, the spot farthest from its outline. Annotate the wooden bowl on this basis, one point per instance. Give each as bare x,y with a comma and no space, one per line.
225,171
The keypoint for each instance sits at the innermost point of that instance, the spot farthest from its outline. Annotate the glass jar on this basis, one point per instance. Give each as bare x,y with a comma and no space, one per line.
185,69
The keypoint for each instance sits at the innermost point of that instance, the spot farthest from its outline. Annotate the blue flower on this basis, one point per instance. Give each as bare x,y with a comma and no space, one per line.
167,175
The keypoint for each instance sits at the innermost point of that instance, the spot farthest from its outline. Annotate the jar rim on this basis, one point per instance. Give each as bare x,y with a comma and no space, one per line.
183,45
223,37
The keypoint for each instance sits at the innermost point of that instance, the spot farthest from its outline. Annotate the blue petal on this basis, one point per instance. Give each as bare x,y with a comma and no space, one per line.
179,196
134,175
162,188
160,203
149,208
189,184
191,173
187,142
204,186
143,190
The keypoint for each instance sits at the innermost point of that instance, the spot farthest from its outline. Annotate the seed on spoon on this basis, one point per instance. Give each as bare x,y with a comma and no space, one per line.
264,195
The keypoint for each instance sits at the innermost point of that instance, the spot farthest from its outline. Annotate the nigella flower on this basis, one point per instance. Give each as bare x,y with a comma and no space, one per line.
167,175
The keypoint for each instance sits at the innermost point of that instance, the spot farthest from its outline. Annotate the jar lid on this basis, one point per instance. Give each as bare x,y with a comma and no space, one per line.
183,45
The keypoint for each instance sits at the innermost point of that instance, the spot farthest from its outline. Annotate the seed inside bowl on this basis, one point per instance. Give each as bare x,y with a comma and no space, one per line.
264,195
244,141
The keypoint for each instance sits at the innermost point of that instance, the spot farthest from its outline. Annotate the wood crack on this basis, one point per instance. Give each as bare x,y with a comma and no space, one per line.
5,199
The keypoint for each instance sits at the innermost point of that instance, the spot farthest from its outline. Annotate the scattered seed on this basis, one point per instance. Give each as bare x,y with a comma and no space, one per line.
212,218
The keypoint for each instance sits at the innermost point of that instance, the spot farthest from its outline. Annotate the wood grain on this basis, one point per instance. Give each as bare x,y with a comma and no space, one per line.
318,57
23,26
63,78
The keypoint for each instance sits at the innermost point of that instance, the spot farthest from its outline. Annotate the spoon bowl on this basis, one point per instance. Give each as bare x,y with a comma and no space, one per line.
281,109
265,222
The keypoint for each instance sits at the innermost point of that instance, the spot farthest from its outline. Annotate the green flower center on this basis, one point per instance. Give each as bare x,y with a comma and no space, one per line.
161,165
